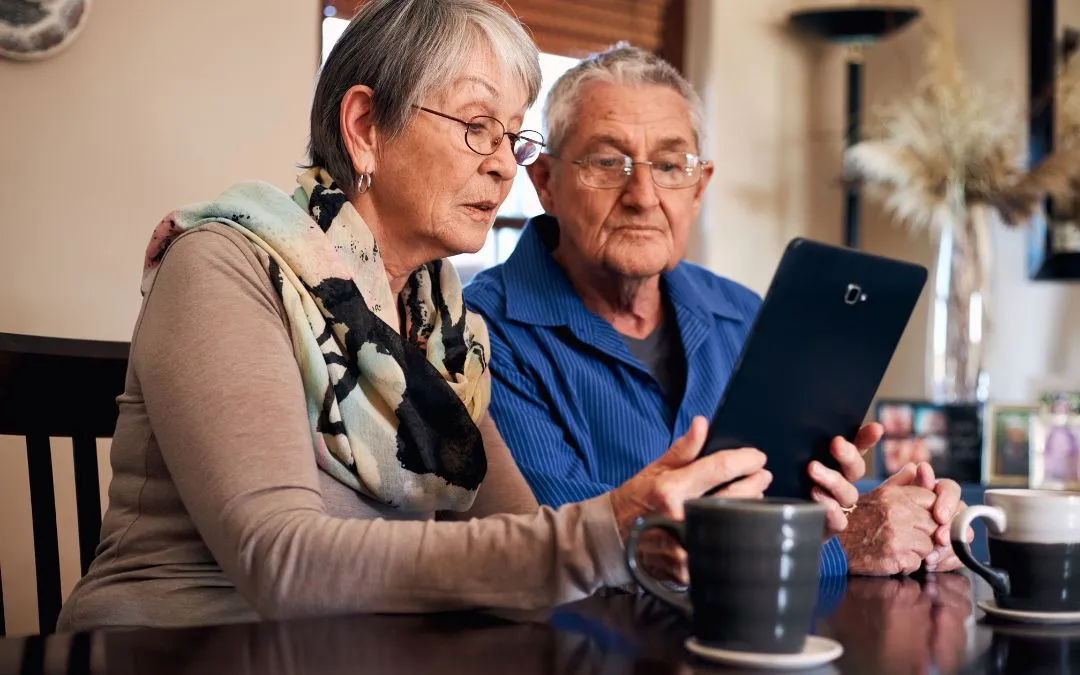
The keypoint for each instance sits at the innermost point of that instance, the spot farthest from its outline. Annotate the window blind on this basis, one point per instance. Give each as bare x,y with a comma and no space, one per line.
580,27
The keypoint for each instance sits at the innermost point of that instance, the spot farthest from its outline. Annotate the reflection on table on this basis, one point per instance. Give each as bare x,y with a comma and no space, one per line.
911,626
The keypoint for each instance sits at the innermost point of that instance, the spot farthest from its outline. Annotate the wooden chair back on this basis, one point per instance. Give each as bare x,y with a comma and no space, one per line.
55,388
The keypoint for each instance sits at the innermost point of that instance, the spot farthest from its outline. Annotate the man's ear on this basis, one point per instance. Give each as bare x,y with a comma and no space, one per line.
358,130
699,189
540,173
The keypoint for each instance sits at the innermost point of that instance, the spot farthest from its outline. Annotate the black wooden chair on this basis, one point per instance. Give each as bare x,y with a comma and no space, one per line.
50,388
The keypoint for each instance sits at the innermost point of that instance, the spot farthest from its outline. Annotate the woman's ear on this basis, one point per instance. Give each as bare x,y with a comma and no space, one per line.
358,128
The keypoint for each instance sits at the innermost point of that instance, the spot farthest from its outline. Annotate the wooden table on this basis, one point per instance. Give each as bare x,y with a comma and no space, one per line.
887,626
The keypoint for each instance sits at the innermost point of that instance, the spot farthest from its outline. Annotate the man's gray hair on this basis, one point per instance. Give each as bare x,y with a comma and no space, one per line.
619,64
405,50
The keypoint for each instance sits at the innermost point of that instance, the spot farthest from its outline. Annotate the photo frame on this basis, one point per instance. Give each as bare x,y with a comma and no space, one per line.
947,435
1007,449
1060,402
1055,451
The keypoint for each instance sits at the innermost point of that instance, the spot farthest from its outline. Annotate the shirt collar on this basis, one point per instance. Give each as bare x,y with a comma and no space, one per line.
538,291
689,290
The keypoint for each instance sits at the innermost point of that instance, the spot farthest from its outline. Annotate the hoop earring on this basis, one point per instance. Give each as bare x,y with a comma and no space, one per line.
363,184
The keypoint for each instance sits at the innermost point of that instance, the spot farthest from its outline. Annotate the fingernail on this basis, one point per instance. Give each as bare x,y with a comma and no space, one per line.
933,559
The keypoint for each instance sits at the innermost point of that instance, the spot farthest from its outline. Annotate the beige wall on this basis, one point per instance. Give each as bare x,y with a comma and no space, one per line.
156,105
773,130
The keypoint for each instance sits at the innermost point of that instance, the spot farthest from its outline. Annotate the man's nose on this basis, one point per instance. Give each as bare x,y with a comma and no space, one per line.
640,191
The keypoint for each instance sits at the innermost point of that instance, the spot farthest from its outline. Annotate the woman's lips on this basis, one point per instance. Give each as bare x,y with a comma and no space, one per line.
481,211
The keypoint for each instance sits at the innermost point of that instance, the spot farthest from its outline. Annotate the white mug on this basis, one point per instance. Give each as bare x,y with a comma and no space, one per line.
1034,542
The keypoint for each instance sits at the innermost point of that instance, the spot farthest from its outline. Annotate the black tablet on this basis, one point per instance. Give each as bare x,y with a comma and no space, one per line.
814,357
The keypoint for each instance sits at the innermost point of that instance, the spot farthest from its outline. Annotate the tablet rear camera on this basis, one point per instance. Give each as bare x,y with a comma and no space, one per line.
853,294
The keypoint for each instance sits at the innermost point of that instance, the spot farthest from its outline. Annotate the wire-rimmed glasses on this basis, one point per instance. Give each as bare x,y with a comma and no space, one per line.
484,134
669,170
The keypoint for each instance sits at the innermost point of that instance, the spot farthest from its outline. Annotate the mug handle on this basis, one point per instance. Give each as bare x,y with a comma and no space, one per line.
675,529
998,579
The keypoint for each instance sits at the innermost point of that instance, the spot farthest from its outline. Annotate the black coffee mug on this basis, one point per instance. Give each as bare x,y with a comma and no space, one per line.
1034,542
754,568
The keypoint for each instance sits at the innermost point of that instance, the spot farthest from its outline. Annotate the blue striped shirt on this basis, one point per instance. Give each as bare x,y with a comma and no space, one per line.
579,413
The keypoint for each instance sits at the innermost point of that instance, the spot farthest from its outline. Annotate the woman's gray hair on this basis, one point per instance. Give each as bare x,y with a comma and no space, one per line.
619,64
405,50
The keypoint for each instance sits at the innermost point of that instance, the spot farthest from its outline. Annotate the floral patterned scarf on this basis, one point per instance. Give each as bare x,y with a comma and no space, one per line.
394,386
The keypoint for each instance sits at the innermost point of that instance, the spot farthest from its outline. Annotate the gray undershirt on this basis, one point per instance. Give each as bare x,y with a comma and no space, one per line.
661,352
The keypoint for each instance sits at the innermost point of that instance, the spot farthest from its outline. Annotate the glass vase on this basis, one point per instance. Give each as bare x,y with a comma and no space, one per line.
959,317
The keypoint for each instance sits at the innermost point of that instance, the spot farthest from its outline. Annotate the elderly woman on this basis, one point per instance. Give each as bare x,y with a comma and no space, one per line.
304,427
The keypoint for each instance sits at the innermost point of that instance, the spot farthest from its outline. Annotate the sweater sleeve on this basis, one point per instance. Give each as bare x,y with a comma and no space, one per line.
226,403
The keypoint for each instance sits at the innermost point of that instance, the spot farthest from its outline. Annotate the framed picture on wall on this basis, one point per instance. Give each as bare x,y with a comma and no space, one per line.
1007,453
1055,451
948,436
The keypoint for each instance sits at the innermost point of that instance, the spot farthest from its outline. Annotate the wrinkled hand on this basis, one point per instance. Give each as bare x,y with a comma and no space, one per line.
891,530
836,489
946,506
663,486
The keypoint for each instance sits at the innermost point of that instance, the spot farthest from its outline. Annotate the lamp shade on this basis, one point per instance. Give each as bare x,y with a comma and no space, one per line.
856,24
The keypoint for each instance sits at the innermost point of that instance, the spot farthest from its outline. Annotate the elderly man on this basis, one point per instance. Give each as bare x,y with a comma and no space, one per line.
607,347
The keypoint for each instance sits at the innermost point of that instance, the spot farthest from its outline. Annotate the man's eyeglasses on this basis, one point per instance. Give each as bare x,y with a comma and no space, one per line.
484,134
670,170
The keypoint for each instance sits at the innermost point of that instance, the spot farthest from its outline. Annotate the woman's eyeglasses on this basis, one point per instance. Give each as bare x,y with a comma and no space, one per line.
484,135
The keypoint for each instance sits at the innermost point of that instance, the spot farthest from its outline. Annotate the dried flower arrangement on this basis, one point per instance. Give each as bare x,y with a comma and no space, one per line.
952,145
946,157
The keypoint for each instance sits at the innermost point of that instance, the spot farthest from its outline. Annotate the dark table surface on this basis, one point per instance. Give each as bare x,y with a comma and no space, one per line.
885,625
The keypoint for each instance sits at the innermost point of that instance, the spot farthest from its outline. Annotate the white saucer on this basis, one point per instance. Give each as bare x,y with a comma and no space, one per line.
817,651
991,608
